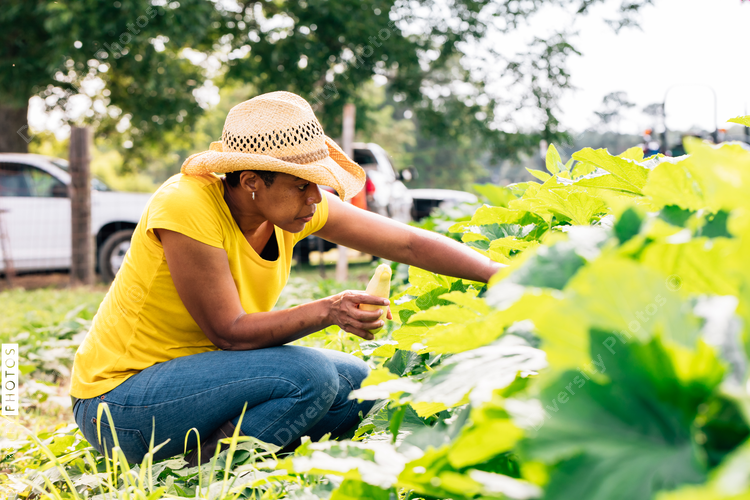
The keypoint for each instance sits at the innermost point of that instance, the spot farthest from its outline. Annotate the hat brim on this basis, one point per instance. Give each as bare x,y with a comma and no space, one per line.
336,170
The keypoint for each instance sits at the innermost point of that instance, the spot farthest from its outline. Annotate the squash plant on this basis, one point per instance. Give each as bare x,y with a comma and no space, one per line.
607,360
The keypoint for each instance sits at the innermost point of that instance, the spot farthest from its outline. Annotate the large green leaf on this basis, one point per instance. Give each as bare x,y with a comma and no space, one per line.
730,481
353,489
561,328
489,433
628,225
723,172
634,153
423,282
380,420
603,180
455,337
377,463
742,120
487,215
502,249
465,324
675,215
403,362
675,183
552,160
631,300
478,372
472,374
629,174
697,266
549,267
432,476
496,196
568,203
581,169
627,437
542,176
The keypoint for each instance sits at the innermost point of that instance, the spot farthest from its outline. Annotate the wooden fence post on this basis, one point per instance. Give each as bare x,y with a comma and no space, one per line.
82,256
347,144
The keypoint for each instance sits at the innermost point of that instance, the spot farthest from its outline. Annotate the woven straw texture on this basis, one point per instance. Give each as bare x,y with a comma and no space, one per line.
279,132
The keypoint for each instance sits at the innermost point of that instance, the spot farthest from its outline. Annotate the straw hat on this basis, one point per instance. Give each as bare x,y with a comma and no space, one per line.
279,132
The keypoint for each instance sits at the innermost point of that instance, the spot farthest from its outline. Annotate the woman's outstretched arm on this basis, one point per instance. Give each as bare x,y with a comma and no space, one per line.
376,235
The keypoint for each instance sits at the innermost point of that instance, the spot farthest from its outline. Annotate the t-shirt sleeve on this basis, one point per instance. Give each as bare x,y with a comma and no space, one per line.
317,222
187,206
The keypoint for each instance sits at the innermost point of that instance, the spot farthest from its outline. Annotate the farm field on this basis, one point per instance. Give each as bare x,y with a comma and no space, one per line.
607,360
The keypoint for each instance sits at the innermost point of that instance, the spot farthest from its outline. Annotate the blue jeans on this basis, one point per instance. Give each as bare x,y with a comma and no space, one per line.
291,391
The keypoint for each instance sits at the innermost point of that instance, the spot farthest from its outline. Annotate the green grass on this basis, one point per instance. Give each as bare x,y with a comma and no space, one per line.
23,311
48,324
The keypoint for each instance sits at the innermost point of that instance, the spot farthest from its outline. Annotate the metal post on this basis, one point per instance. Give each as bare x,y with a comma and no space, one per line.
714,134
321,260
716,117
82,262
663,148
347,144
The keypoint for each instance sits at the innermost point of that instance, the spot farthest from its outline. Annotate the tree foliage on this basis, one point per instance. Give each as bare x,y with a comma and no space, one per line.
138,64
122,60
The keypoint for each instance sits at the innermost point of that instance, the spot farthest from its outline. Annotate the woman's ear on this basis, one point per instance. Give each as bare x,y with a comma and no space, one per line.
249,181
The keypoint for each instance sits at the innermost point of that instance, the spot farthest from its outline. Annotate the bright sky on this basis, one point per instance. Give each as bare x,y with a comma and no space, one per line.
694,44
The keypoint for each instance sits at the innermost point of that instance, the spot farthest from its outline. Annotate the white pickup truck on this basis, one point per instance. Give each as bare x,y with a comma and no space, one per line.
35,224
386,193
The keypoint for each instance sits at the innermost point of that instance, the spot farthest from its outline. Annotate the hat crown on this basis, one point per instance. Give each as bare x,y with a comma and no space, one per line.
278,124
278,132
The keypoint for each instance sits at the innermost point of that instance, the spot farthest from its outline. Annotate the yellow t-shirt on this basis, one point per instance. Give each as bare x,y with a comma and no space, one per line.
142,320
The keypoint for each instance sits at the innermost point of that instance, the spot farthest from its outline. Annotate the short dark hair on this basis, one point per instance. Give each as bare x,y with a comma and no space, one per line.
233,178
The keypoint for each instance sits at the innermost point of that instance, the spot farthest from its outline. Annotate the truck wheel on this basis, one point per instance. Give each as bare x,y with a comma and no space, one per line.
112,253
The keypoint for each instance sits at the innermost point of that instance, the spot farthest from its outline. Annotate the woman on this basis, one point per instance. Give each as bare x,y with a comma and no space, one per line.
186,335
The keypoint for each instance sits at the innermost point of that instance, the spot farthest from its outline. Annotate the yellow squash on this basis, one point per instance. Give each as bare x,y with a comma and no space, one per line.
379,286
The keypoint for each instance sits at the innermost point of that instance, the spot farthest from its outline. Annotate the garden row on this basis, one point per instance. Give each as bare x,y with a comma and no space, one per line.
607,360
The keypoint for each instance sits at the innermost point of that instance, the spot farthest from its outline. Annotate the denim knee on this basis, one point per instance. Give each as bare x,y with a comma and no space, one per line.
359,371
318,376
350,368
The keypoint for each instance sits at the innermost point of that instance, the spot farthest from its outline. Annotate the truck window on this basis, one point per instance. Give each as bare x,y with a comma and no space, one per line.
14,180
45,185
17,179
364,157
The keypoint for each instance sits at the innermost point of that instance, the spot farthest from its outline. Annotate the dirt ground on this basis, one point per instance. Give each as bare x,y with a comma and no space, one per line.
31,281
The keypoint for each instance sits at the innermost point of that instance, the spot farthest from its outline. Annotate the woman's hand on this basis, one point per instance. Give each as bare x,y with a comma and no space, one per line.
344,311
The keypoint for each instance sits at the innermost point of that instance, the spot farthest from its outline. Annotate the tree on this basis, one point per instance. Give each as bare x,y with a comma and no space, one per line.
131,60
123,57
326,50
613,104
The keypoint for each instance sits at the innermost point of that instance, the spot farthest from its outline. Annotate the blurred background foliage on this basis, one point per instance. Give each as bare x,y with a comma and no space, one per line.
145,73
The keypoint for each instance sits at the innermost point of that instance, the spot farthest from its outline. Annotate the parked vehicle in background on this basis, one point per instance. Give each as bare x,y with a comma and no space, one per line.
426,200
386,193
35,214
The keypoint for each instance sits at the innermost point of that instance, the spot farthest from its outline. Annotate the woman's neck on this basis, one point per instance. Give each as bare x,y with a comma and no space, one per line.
244,213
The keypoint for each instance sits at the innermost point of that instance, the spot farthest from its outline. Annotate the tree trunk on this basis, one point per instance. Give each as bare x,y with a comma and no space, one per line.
14,131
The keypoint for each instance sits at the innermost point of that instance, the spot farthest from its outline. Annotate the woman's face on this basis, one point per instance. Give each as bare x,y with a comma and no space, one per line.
289,202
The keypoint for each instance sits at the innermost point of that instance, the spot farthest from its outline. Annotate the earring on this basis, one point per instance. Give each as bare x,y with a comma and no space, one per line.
253,195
